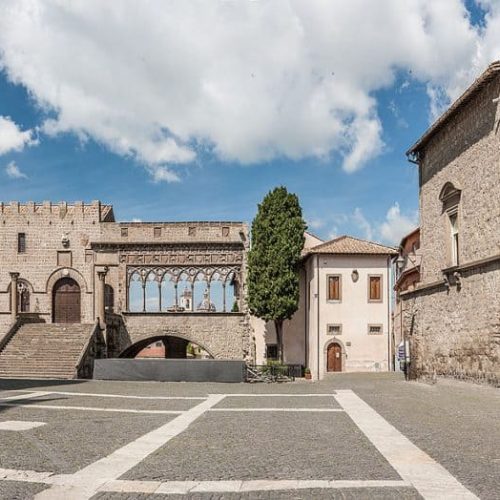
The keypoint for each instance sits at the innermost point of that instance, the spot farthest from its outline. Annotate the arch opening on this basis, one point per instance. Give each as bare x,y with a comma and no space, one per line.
166,347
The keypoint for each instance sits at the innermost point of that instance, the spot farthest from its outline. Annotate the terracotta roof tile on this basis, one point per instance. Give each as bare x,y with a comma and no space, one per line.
350,245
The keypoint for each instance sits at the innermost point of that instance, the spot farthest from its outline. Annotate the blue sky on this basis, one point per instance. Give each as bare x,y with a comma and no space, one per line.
203,176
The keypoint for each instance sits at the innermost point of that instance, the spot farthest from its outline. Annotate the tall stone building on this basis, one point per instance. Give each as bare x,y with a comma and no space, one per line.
76,285
453,316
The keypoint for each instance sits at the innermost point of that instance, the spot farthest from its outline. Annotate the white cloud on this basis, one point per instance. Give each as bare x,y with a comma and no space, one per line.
13,171
315,223
362,222
396,225
12,138
247,81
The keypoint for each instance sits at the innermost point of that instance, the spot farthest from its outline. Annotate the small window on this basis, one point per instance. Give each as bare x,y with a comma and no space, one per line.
333,292
453,217
21,242
192,231
272,351
375,288
124,232
225,231
157,232
334,330
374,329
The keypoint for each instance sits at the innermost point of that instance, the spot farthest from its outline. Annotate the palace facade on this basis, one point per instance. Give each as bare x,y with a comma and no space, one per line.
75,285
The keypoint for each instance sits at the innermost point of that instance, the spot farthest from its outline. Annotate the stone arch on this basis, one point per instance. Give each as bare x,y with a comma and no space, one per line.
66,272
343,353
132,350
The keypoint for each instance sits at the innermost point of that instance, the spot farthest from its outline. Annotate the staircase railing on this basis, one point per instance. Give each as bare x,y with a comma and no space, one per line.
81,370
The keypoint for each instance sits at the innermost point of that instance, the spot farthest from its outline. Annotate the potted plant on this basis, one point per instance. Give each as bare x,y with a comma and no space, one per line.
307,374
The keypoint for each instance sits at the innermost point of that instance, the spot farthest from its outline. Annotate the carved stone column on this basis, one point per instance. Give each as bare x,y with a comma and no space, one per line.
13,295
101,292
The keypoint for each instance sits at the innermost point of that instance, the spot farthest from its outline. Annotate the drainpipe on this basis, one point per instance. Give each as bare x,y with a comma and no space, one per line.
306,316
389,309
317,300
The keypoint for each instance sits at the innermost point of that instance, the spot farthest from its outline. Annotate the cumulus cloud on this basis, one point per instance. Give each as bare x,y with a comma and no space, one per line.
390,230
396,225
14,172
12,138
246,81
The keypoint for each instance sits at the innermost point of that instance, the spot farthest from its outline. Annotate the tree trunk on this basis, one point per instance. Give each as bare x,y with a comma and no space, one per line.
278,325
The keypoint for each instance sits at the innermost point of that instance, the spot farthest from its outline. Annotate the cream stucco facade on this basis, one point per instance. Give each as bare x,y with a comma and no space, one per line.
358,325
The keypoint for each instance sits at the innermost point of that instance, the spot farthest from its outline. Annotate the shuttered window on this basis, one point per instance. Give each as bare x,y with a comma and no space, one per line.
333,287
375,288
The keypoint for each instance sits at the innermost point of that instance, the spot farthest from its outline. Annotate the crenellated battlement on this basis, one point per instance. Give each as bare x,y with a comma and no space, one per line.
100,211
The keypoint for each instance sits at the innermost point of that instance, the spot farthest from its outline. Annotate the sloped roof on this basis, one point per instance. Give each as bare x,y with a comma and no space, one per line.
349,245
490,73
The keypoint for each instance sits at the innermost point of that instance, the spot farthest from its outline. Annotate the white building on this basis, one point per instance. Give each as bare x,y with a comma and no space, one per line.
344,315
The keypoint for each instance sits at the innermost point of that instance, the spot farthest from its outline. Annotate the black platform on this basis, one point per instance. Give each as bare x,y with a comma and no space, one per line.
170,370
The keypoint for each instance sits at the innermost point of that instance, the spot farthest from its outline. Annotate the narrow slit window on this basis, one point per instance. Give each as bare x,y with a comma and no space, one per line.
21,242
454,238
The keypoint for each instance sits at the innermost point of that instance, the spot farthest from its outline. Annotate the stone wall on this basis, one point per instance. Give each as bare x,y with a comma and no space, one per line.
223,336
455,329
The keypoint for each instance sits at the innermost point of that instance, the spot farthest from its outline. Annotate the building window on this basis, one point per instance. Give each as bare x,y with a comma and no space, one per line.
272,351
225,231
124,232
450,198
21,242
334,329
374,329
334,285
23,297
453,218
192,231
375,288
157,232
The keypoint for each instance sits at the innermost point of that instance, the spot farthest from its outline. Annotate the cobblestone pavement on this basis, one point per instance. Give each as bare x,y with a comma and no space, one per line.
149,435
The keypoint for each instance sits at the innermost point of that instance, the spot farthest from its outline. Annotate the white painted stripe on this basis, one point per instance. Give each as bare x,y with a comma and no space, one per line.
86,482
428,477
19,425
30,395
185,487
281,409
26,476
124,396
277,395
91,408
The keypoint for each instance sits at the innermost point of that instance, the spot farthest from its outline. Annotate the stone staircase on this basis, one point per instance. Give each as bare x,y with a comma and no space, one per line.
43,350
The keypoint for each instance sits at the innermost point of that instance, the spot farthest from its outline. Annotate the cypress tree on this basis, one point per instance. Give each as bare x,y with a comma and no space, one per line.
273,261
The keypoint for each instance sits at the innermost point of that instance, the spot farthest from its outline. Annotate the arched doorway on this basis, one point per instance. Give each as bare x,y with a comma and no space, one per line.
334,358
66,301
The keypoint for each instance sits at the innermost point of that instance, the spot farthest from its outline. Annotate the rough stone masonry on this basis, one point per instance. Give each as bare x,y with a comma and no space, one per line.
452,319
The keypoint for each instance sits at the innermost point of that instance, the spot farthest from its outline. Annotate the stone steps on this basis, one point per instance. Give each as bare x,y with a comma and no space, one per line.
41,350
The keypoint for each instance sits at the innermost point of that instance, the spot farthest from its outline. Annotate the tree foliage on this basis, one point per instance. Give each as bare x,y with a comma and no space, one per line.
273,261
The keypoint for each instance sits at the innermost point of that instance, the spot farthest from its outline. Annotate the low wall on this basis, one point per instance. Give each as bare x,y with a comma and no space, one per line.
170,370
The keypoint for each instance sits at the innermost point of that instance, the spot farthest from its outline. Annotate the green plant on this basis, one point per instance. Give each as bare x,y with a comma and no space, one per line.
273,260
307,370
235,307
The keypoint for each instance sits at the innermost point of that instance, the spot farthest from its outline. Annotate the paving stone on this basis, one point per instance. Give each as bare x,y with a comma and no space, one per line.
248,445
15,490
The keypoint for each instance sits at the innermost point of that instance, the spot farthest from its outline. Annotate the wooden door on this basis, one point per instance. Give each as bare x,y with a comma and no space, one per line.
334,358
66,301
